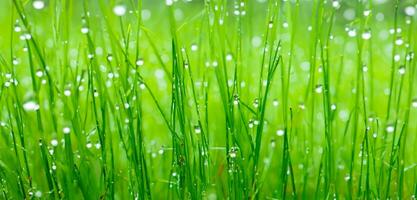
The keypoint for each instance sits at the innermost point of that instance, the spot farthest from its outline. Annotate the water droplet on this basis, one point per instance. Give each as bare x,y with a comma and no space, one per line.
39,73
109,57
399,41
366,13
414,103
410,10
390,128
275,102
397,58
229,57
280,132
233,152
119,10
89,145
194,47
365,68
235,99
250,124
333,107
66,130
347,178
142,86
197,129
38,194
67,92
98,145
336,4
15,61
31,106
84,30
270,24
401,70
319,88
140,62
161,151
38,4
366,35
169,2
17,28
256,103
352,33
126,105
54,142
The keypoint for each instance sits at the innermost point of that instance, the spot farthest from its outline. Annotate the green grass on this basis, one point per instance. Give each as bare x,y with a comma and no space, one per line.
262,99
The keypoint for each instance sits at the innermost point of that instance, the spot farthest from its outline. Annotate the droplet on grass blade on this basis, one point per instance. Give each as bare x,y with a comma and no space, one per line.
233,152
31,106
54,142
336,4
119,10
194,47
399,41
390,128
38,4
280,132
410,10
67,92
38,194
352,33
84,30
169,2
366,35
256,103
140,62
366,13
401,70
66,130
197,129
414,103
319,88
275,102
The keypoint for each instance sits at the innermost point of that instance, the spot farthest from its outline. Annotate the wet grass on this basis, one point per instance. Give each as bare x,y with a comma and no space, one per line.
208,99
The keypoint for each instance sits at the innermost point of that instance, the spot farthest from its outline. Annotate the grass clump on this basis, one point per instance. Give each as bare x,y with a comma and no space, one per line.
264,99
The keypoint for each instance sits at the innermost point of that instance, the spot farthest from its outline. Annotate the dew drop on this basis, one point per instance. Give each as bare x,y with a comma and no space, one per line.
410,10
280,132
414,103
233,152
194,47
401,70
119,10
66,130
84,30
366,35
336,4
319,89
275,102
140,62
197,129
256,103
38,4
169,2
31,106
390,128
54,142
67,92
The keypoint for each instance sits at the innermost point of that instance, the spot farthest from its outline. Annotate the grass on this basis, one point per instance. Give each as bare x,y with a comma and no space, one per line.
265,99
